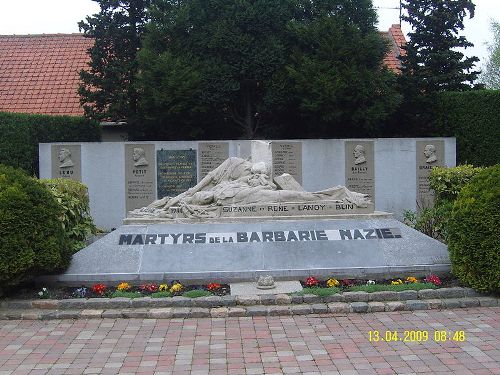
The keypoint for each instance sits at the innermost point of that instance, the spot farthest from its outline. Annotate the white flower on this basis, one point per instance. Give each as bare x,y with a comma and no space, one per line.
44,289
370,282
40,294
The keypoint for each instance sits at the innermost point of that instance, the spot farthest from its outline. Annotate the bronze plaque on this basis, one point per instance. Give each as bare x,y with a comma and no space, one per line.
176,171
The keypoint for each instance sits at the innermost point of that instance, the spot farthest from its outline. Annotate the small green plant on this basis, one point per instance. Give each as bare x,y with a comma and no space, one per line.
322,292
44,293
392,288
163,294
75,218
197,293
124,294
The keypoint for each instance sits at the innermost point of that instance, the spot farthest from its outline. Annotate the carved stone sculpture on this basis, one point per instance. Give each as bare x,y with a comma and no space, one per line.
139,156
65,158
430,154
266,282
239,182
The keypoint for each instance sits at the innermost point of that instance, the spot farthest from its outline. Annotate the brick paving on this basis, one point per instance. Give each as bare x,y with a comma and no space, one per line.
309,344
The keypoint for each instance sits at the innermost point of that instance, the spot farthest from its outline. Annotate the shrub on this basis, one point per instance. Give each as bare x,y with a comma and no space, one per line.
20,134
446,183
75,218
32,239
472,117
473,240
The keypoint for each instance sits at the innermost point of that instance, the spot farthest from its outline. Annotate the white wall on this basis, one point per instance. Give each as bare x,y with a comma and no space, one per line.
323,165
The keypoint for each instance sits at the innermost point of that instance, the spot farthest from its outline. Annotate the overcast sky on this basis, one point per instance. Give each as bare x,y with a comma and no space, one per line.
62,16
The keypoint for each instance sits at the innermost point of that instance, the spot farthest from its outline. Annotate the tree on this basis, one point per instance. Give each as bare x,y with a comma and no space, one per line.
432,62
252,66
491,75
107,90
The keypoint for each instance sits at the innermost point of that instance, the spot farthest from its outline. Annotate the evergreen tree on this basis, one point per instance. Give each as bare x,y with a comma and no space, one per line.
107,90
225,68
432,62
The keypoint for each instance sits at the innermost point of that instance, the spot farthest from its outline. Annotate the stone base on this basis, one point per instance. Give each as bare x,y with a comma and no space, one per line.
229,252
282,287
256,219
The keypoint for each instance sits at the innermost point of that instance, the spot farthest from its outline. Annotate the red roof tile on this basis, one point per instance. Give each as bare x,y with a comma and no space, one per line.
397,40
39,73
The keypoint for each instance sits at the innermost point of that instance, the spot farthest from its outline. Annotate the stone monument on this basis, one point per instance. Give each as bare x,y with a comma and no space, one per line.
237,224
240,188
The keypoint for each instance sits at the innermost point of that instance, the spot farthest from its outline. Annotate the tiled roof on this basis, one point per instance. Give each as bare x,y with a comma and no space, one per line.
39,73
397,40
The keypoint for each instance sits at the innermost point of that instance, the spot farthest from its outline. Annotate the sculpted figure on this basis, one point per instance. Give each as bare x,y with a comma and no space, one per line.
238,181
139,156
430,154
359,155
65,158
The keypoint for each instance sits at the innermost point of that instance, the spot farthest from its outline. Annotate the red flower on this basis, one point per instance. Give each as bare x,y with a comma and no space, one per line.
99,289
312,281
433,279
149,288
213,286
347,282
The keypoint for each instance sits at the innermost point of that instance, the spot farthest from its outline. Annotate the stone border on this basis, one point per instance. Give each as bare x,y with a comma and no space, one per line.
248,311
253,305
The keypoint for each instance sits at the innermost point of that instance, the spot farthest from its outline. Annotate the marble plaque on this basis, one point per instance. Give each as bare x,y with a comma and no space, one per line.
139,175
360,167
287,158
176,171
211,155
67,162
429,154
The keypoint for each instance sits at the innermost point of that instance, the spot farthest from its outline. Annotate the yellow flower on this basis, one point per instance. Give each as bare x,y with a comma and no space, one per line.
163,288
330,283
411,279
397,282
123,286
176,288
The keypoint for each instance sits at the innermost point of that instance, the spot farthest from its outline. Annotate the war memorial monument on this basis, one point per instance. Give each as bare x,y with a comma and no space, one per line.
242,221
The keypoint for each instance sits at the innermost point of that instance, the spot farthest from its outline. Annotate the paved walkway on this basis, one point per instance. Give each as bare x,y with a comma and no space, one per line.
313,344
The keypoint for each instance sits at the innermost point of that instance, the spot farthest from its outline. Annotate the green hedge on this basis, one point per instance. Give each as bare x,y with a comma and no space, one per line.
75,218
21,133
473,117
32,239
473,239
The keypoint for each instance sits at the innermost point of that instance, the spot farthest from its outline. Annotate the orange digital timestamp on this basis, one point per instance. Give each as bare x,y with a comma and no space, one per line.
416,336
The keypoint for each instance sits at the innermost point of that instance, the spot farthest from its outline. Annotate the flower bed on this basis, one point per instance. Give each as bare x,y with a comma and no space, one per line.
312,285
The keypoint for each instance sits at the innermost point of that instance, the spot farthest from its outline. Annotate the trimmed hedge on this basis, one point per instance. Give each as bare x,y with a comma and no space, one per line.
473,117
32,238
75,217
21,133
473,239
